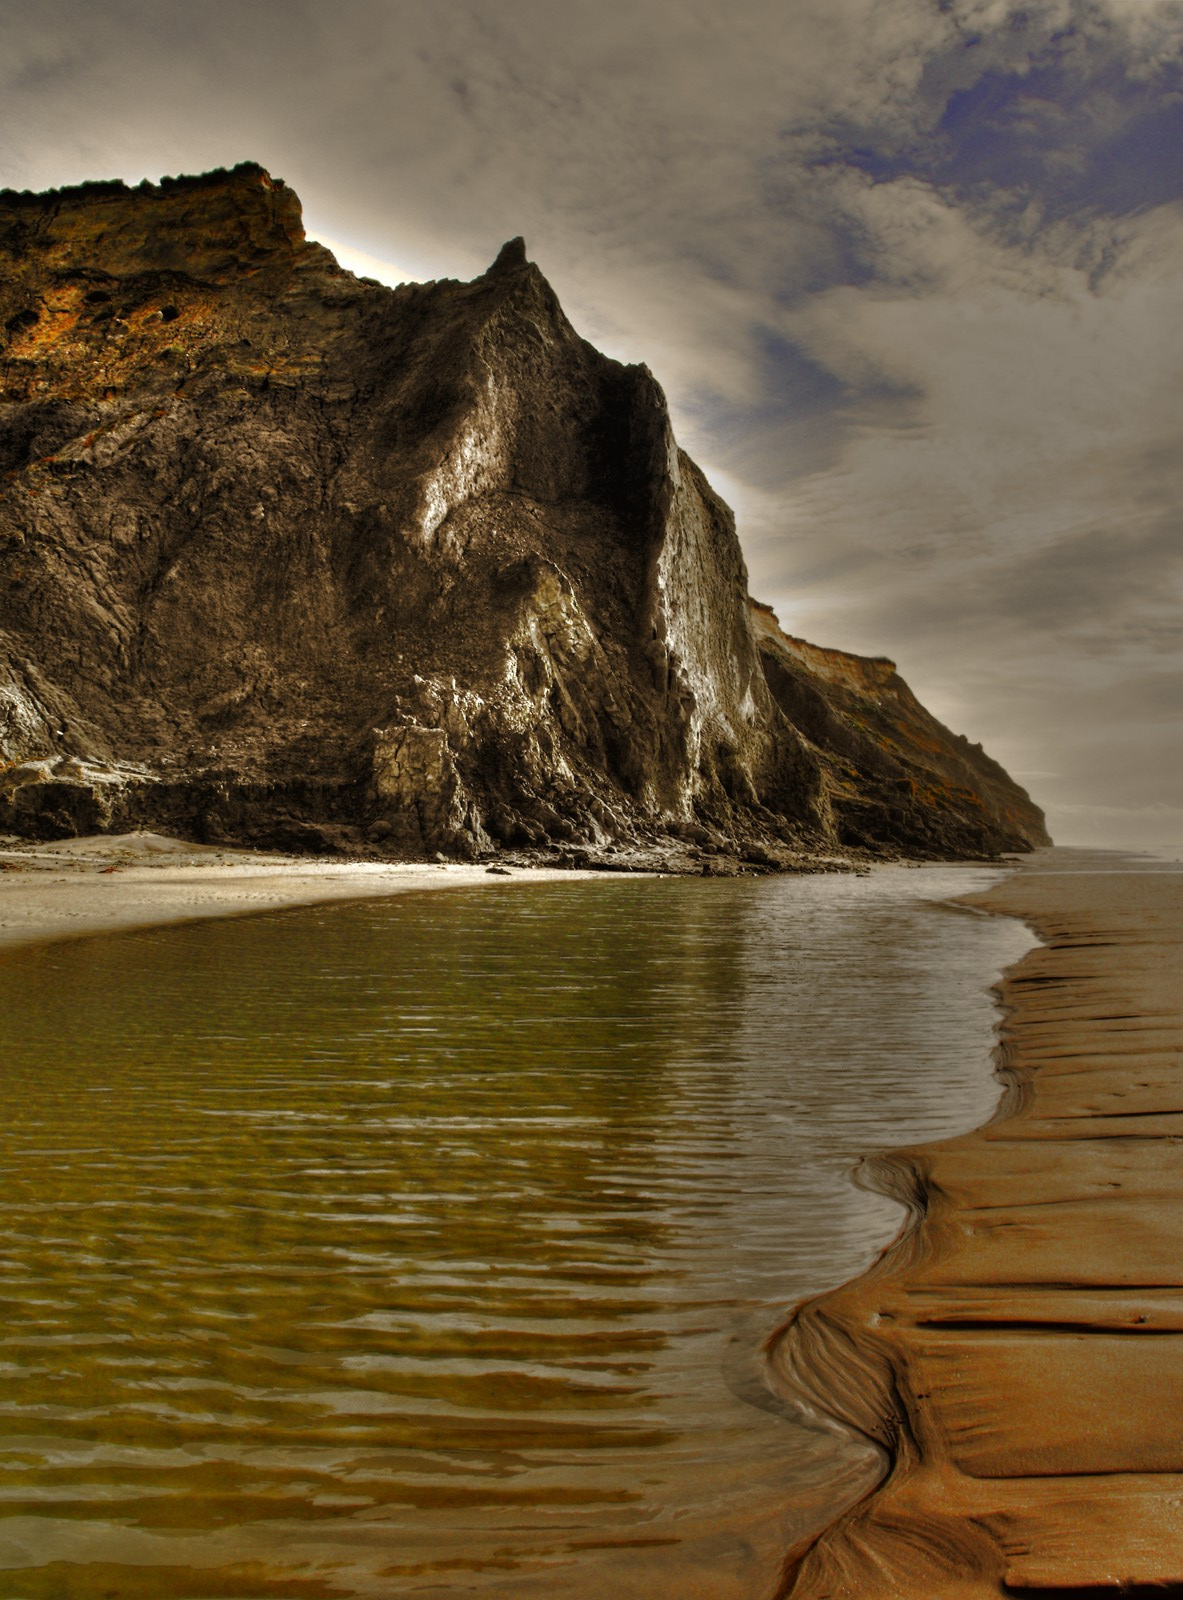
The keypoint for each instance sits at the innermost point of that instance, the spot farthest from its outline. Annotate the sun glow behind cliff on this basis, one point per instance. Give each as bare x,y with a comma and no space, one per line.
364,265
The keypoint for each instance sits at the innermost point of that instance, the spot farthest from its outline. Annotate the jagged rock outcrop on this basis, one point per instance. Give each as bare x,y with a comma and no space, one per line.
290,557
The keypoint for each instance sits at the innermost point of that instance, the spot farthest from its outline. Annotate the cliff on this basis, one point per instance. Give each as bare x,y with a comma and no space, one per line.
293,558
892,773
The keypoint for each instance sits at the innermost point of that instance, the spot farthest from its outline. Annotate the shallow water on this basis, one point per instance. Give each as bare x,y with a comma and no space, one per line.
425,1247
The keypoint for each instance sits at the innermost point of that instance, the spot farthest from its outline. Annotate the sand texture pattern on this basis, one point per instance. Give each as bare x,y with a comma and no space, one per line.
1018,1353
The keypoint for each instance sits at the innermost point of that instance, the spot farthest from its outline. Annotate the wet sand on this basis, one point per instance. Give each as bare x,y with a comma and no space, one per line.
113,882
1018,1353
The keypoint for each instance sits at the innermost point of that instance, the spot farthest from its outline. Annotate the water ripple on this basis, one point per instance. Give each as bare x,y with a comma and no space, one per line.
425,1247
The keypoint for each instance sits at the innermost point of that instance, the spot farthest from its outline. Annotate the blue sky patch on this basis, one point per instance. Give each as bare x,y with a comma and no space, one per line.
1076,133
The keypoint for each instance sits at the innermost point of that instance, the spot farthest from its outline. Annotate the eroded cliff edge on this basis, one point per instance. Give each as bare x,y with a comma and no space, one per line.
292,558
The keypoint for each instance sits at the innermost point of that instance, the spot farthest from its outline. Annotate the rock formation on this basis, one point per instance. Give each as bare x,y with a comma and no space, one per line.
289,557
893,773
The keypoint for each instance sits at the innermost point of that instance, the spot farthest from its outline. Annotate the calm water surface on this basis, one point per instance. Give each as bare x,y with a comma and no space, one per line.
425,1247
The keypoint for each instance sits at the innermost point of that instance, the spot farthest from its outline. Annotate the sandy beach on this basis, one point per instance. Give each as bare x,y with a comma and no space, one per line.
1018,1353
113,882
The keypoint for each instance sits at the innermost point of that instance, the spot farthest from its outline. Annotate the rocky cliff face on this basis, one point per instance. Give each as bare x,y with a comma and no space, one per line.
290,557
891,772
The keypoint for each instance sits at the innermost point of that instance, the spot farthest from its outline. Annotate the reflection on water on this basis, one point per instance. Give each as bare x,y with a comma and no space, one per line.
425,1247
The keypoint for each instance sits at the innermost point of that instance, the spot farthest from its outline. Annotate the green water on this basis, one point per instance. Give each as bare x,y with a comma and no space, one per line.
425,1247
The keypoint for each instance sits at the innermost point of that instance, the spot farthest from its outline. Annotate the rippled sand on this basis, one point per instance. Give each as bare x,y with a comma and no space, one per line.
1019,1355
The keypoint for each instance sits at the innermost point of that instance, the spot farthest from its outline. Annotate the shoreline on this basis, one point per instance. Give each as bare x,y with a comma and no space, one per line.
1017,1352
1036,1278
114,883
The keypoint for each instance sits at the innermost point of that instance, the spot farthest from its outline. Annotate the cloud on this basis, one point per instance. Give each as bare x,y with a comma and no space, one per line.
1027,398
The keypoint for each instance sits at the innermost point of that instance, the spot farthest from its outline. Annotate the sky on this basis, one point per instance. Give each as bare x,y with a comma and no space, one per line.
908,270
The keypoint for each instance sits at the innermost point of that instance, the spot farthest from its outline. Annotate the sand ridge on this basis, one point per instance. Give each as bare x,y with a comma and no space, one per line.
113,882
1018,1353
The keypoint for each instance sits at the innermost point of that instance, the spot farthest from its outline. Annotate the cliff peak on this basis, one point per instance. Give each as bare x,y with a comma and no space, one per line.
511,256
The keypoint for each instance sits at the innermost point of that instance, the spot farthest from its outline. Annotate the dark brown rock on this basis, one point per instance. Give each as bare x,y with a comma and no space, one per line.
893,774
300,557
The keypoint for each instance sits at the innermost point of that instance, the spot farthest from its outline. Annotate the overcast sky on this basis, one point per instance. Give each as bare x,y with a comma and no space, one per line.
910,271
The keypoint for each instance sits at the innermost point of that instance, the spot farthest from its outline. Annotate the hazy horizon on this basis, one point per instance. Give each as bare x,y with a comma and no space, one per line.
907,274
